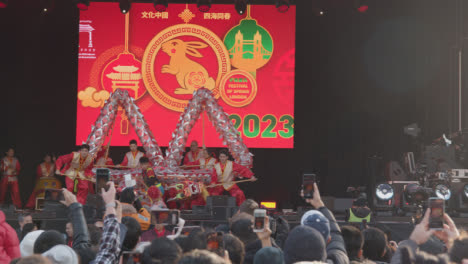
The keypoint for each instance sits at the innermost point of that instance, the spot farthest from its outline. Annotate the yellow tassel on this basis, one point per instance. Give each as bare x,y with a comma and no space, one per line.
205,193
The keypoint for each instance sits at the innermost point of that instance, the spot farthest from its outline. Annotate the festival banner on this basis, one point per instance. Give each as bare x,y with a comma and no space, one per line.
162,58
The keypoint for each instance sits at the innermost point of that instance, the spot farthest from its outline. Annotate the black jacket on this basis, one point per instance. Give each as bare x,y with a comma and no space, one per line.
81,241
336,250
252,248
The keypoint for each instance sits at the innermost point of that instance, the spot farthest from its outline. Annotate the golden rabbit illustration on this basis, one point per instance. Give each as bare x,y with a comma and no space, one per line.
190,74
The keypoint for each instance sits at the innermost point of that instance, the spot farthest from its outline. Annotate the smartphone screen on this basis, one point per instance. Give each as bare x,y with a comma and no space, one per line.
55,195
215,243
166,217
102,177
436,218
259,220
308,181
136,256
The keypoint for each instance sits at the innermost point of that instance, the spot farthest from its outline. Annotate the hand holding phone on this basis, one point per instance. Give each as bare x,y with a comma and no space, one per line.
102,177
54,195
166,217
259,220
215,243
308,181
436,217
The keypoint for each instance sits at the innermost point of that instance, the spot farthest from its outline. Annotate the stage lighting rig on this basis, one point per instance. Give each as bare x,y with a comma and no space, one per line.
204,5
282,5
361,5
160,5
241,6
3,3
384,200
443,192
384,192
47,6
416,194
125,6
82,4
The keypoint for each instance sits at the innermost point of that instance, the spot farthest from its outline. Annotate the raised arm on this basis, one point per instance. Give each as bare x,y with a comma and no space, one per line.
62,160
125,161
241,171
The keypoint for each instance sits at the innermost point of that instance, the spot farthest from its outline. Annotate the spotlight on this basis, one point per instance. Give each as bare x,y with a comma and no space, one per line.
160,5
125,6
282,5
443,192
465,191
384,192
47,6
416,194
82,4
241,6
3,3
361,6
204,5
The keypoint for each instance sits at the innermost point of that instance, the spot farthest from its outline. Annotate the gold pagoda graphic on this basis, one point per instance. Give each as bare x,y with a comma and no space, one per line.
250,45
125,77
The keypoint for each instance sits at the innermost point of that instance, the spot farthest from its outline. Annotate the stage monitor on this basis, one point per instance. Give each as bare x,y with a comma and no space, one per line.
161,58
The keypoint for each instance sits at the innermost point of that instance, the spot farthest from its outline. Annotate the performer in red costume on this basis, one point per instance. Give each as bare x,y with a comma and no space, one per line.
227,171
193,154
206,161
77,168
10,168
45,170
132,158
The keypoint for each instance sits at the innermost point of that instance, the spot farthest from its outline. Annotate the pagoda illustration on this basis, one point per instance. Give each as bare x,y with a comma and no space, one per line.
125,77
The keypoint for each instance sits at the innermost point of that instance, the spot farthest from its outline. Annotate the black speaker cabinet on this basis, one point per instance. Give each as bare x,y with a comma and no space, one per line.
221,200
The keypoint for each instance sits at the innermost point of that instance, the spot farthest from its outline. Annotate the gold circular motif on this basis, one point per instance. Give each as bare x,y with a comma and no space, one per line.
153,48
250,97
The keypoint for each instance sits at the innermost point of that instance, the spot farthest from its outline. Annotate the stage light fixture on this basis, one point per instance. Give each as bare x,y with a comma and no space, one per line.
384,192
282,5
204,5
3,3
443,192
160,5
241,6
125,6
82,4
47,6
416,194
361,6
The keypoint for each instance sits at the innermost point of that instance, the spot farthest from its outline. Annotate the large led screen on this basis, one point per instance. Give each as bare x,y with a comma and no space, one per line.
161,58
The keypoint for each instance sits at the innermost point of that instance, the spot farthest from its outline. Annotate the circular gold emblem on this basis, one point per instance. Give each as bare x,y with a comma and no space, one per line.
181,59
238,88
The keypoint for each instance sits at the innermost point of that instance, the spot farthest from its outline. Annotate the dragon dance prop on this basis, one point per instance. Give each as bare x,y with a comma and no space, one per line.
167,170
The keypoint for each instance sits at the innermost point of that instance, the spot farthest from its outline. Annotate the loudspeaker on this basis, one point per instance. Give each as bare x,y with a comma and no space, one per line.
58,214
223,212
221,200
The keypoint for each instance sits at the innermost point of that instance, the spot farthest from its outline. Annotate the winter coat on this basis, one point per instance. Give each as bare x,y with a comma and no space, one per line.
9,243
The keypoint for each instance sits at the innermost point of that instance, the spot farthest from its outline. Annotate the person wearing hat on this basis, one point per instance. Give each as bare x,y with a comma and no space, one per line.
329,230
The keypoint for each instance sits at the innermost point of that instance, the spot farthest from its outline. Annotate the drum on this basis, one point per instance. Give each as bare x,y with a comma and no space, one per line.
46,183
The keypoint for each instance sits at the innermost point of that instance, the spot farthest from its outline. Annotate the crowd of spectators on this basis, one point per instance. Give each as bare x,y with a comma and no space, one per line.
128,235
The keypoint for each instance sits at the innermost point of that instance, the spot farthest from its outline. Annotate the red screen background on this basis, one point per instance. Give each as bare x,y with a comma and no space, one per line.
273,104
